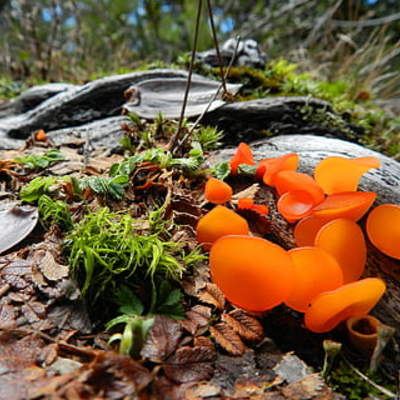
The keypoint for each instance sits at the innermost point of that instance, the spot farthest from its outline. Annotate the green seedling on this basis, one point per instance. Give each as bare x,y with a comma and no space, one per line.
33,161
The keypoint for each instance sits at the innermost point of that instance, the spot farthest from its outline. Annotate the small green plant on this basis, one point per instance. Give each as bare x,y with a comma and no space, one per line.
106,248
33,161
165,300
54,212
208,137
40,186
110,187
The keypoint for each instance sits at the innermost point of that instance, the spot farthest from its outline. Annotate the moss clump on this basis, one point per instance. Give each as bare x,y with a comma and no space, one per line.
106,249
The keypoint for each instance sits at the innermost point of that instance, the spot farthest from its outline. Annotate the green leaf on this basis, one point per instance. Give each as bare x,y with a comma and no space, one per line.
129,303
33,161
247,169
222,170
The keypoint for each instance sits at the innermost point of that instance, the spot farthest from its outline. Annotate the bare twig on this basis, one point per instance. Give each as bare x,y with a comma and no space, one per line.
200,117
214,33
175,137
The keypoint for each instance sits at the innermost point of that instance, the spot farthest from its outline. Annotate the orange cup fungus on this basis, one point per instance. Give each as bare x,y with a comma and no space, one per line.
217,191
328,309
220,221
268,167
344,239
243,155
290,181
248,204
383,229
351,205
295,205
253,273
339,174
306,230
315,271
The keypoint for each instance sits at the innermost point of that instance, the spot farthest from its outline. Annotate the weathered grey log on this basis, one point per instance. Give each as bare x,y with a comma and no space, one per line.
104,132
95,100
33,97
151,97
279,115
385,181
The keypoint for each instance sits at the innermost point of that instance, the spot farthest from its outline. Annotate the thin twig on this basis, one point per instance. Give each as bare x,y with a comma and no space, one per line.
214,33
200,117
383,390
175,137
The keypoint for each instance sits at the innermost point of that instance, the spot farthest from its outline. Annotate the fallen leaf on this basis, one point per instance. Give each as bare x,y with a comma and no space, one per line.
202,341
227,338
197,317
190,364
52,270
162,339
213,295
16,224
311,387
249,192
247,326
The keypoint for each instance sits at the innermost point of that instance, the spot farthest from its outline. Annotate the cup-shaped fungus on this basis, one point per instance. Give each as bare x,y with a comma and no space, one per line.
253,273
340,174
268,167
363,332
306,230
351,205
217,191
220,221
315,271
290,181
248,204
344,240
295,205
354,299
383,229
243,155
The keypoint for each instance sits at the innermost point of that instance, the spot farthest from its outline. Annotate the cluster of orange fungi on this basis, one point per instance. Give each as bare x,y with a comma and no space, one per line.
320,277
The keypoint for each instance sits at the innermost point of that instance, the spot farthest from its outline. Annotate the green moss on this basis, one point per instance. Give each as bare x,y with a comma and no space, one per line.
344,380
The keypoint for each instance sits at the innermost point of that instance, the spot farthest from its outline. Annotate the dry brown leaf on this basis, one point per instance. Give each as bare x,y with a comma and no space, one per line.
249,193
202,341
227,338
311,387
197,317
247,326
189,364
162,339
52,270
213,295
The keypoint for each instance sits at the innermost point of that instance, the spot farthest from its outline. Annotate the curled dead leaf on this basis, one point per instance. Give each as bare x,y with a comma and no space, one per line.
16,223
247,326
227,338
213,295
162,339
51,269
190,364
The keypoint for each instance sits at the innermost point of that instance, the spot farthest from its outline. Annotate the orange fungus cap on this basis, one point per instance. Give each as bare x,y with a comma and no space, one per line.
383,229
315,271
253,273
289,181
340,174
267,168
351,205
306,230
344,240
328,309
218,222
295,205
217,191
243,155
